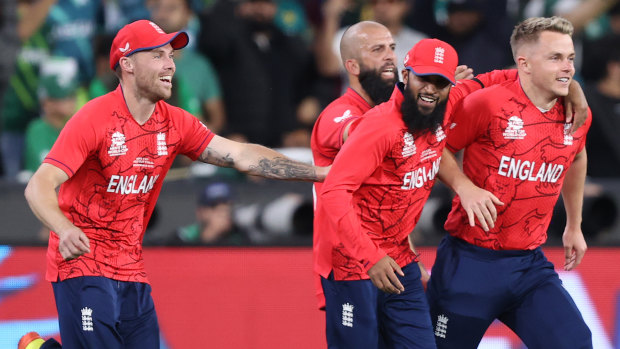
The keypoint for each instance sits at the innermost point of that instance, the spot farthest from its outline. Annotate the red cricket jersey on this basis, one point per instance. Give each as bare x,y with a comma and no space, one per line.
116,168
325,143
375,191
519,154
327,140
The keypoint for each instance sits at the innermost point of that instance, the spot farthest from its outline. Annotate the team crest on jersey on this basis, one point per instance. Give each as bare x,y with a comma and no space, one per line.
409,145
568,138
118,146
439,134
514,130
162,148
347,114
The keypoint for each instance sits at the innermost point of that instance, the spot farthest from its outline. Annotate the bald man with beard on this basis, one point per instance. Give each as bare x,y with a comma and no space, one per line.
367,51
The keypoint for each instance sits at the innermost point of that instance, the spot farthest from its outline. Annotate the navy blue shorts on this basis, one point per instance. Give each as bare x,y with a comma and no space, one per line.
359,315
470,286
97,312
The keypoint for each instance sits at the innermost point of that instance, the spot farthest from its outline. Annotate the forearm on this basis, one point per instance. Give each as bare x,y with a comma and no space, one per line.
261,161
572,190
451,174
43,202
258,160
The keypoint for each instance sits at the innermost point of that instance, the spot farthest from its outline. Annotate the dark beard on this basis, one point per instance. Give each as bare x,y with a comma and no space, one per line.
418,123
378,89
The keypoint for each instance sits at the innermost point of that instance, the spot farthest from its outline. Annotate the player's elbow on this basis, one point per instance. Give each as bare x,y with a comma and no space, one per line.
29,192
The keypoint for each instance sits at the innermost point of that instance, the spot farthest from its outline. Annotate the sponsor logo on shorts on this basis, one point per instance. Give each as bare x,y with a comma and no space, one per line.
347,314
87,319
441,327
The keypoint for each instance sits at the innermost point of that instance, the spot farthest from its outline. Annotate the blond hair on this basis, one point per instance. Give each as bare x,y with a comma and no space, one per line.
529,30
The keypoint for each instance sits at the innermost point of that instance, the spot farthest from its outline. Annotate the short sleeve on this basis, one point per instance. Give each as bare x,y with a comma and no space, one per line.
195,135
469,120
77,140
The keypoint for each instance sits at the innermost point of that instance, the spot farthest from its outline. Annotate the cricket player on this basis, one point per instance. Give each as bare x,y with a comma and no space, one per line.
110,161
519,147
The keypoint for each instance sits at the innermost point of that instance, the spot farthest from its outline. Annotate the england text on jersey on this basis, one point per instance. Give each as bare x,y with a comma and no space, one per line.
418,177
526,170
127,184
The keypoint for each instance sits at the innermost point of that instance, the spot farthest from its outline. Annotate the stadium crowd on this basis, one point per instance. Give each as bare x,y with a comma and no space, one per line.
262,70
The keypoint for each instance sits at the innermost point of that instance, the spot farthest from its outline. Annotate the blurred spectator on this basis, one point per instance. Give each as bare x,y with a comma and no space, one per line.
20,101
483,45
9,44
604,100
70,28
390,13
214,216
57,93
580,13
105,80
291,19
57,27
196,71
595,50
265,74
117,13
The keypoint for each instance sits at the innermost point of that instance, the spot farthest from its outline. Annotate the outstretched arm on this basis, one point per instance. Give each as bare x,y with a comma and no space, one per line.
258,160
572,193
43,200
477,202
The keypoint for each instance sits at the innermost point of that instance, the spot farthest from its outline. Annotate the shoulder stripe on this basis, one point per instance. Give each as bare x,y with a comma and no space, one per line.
62,166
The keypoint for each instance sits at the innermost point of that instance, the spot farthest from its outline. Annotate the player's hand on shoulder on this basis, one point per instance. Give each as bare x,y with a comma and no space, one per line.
575,248
73,243
575,106
383,275
480,204
463,72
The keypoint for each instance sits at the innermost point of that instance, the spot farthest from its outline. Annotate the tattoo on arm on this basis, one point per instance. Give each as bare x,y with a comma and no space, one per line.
212,157
283,168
